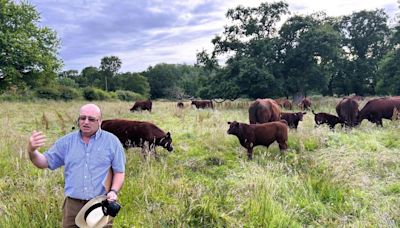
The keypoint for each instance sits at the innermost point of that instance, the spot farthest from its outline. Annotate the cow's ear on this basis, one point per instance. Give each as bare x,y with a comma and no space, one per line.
168,135
229,122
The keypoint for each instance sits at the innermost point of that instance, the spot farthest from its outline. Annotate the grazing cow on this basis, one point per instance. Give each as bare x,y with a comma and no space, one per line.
260,134
377,109
264,111
203,104
347,110
180,105
326,118
142,105
138,134
293,118
305,104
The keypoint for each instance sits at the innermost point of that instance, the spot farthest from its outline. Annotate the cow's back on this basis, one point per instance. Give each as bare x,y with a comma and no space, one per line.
264,111
267,133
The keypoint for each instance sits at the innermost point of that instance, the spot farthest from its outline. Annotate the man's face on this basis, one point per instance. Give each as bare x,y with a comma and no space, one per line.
89,120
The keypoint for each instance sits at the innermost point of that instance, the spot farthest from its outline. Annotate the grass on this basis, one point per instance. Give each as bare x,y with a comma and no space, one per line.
326,178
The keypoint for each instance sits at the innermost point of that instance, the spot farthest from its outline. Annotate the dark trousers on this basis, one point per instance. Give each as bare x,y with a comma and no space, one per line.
71,208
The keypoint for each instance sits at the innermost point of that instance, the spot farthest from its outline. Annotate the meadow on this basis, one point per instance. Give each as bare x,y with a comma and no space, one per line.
341,178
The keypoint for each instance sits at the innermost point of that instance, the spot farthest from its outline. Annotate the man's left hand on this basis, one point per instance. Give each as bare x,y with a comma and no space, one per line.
112,196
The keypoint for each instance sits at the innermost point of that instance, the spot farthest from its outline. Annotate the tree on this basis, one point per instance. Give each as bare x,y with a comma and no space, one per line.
365,41
28,53
389,72
109,67
133,82
162,79
310,47
251,46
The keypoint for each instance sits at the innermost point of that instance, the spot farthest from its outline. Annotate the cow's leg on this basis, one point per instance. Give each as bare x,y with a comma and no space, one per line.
379,122
250,153
282,145
143,153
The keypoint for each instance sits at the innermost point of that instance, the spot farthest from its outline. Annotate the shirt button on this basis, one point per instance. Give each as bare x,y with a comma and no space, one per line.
85,177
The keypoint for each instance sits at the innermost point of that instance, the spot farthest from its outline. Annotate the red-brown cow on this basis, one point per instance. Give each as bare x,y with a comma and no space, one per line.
293,119
142,105
377,109
305,104
203,104
138,134
259,134
347,110
326,118
284,103
264,111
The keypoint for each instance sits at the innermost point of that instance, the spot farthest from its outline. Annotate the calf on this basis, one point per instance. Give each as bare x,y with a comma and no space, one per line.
326,118
138,133
259,134
293,118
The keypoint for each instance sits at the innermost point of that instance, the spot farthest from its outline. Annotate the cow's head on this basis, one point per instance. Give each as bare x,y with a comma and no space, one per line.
300,115
233,128
166,142
319,119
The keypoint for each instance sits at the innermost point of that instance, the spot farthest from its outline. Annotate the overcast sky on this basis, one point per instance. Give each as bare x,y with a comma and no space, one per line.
147,32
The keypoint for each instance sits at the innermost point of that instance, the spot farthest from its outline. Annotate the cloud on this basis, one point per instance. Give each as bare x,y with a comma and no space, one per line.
144,33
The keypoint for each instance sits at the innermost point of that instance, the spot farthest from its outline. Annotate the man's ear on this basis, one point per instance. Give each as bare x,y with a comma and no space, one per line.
77,122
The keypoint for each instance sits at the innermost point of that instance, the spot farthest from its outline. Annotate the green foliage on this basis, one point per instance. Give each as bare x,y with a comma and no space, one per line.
48,93
133,82
29,51
389,71
94,94
129,96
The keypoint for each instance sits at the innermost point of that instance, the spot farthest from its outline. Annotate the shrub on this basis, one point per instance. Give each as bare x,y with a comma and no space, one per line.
68,93
48,93
129,95
90,93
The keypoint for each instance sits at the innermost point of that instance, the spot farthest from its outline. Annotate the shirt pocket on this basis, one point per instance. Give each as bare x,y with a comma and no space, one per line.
101,159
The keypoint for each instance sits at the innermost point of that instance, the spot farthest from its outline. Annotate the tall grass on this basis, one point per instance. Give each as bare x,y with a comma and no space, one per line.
326,178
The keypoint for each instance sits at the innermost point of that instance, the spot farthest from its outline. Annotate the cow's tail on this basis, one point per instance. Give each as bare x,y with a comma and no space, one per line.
312,110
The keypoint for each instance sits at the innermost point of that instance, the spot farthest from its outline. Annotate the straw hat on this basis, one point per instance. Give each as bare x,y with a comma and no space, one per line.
91,215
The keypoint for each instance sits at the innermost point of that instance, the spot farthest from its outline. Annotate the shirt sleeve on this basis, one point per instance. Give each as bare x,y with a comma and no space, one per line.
118,162
56,155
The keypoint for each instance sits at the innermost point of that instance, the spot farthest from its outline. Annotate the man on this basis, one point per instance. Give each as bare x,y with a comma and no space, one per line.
88,155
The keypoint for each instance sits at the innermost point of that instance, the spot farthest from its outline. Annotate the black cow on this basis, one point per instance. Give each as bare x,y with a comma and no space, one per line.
293,119
326,118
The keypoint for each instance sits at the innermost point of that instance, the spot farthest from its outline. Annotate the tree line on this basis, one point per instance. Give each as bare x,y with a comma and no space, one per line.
306,54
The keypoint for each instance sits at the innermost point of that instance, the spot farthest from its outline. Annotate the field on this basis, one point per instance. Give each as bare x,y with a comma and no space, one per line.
341,178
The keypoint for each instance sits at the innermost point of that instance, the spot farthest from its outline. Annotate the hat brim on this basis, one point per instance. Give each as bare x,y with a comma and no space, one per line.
80,217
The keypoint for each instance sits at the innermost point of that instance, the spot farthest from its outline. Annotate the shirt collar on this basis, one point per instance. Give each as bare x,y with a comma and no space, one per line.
95,136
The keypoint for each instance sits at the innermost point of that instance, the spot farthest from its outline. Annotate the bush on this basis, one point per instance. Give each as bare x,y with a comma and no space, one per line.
90,93
68,93
129,95
48,93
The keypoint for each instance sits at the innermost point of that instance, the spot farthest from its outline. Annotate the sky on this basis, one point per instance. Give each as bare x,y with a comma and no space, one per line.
148,32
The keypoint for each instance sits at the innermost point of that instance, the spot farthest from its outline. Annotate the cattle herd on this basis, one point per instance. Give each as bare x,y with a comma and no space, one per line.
267,123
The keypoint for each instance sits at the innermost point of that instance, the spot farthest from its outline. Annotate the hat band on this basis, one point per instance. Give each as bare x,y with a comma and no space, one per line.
90,209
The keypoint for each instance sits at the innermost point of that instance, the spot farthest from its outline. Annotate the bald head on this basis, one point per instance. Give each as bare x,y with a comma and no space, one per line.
91,110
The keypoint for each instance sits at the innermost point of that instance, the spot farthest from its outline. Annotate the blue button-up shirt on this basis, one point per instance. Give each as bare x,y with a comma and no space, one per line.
86,165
